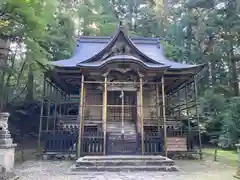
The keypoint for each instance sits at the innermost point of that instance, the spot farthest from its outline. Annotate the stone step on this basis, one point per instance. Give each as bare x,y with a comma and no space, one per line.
123,157
125,163
120,128
124,168
120,131
126,137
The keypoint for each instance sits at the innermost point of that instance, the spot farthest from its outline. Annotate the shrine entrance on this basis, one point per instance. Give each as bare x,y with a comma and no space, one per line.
122,106
122,122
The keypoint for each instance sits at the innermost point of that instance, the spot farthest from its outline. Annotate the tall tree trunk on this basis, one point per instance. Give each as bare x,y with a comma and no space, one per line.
189,36
233,67
4,45
2,92
30,84
231,12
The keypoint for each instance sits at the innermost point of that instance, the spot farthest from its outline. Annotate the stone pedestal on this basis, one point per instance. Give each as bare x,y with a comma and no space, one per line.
7,149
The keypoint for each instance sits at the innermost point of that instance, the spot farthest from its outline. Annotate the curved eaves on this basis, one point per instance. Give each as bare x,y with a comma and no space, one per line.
122,59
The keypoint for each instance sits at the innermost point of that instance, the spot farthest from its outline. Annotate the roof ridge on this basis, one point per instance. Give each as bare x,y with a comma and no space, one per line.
106,39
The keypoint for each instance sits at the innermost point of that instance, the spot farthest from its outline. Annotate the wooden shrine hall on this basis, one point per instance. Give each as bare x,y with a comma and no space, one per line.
120,95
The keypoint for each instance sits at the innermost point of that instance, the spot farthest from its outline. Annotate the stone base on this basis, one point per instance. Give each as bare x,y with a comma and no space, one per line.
7,153
58,156
8,175
124,163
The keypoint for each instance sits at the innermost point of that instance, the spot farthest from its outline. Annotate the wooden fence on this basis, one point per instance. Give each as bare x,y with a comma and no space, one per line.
67,142
93,143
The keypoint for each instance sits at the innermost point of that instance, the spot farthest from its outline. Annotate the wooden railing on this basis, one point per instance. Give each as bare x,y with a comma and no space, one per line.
66,142
153,144
92,143
60,141
63,141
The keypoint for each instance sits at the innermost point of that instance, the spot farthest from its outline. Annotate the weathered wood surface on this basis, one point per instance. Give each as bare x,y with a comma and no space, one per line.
177,144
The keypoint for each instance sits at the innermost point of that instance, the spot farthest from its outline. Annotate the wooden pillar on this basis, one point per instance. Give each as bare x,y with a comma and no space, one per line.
81,123
60,103
48,114
164,116
158,107
179,105
41,115
179,111
141,110
40,125
105,117
198,119
186,103
84,105
55,116
122,107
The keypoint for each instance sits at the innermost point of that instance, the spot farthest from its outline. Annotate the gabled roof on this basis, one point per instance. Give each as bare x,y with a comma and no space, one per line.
88,50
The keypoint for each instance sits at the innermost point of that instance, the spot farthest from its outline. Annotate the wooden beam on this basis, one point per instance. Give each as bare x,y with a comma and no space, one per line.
40,125
198,118
164,117
55,115
105,117
182,85
186,103
48,113
141,110
81,117
158,108
79,77
41,115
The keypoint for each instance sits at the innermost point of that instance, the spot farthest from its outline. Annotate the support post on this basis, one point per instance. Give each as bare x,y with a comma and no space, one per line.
122,107
48,114
164,117
81,123
141,110
179,110
55,116
41,114
198,119
158,107
186,102
60,103
40,125
105,117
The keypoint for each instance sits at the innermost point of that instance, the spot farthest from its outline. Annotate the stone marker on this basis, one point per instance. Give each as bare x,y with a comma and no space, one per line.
237,175
7,149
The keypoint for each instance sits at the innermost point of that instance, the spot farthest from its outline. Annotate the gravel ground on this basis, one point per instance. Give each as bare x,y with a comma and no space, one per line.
190,170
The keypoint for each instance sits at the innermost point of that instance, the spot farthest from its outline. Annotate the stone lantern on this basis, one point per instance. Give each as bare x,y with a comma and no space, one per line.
7,149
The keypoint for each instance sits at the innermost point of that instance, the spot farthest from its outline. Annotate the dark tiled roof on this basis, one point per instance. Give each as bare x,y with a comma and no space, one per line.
87,47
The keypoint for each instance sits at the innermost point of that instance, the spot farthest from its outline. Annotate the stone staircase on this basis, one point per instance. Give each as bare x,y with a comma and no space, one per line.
123,163
122,142
115,129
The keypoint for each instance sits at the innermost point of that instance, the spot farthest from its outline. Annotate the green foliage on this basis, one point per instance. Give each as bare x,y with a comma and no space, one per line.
37,33
231,120
192,31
